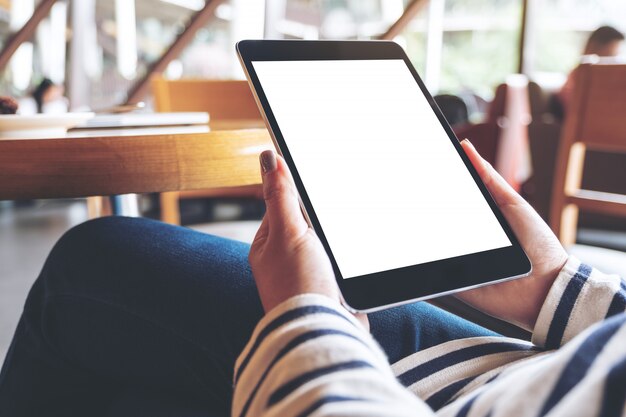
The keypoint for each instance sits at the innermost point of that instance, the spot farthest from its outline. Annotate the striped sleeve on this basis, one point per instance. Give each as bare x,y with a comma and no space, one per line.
580,297
310,356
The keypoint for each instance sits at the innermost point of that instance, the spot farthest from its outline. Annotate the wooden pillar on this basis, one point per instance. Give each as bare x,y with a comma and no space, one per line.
201,18
26,32
410,12
527,33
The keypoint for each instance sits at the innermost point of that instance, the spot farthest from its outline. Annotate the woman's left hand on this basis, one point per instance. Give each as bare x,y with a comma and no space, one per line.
287,257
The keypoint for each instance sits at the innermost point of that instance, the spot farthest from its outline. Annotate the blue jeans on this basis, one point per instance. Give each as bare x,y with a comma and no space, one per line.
136,317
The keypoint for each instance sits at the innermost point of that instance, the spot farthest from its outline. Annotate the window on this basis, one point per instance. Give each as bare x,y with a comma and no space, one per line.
559,29
462,45
102,70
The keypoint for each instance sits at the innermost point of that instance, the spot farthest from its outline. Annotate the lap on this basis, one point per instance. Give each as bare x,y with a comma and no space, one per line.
201,287
163,306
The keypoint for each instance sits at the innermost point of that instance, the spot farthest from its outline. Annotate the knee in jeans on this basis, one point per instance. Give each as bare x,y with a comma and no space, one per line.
85,234
82,243
80,255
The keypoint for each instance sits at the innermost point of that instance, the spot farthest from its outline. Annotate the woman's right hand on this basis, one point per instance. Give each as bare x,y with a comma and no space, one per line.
518,301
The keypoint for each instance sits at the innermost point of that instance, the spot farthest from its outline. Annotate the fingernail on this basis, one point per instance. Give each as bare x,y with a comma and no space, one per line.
268,161
466,140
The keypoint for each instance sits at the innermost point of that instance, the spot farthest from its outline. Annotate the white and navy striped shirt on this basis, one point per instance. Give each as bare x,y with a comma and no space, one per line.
310,357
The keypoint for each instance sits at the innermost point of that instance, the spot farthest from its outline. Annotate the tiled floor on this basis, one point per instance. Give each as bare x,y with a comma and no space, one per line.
26,236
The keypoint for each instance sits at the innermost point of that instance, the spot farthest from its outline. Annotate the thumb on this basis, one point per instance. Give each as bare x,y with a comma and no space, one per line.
281,199
501,191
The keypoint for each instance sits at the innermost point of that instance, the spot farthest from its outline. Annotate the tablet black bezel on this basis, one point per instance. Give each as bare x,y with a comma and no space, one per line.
397,286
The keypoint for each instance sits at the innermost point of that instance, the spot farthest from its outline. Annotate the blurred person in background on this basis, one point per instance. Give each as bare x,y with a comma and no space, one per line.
604,42
47,97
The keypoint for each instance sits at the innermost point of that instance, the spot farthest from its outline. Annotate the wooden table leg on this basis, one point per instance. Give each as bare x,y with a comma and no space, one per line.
95,207
170,211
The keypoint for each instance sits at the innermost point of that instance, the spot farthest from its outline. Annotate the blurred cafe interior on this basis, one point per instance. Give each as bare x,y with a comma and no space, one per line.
147,112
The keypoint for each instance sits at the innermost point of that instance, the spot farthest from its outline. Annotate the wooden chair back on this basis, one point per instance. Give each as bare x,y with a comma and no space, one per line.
484,136
230,104
595,120
222,99
544,132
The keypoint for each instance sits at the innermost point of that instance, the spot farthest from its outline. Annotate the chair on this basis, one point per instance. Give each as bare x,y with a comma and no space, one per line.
230,105
453,108
499,138
485,136
594,121
544,131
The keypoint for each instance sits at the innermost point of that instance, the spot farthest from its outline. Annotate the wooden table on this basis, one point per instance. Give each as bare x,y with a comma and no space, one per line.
121,161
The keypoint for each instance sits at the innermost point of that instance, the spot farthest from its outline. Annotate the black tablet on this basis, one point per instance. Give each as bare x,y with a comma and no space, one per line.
382,178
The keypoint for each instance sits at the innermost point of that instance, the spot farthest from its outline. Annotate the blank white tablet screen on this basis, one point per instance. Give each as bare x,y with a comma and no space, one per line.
384,179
